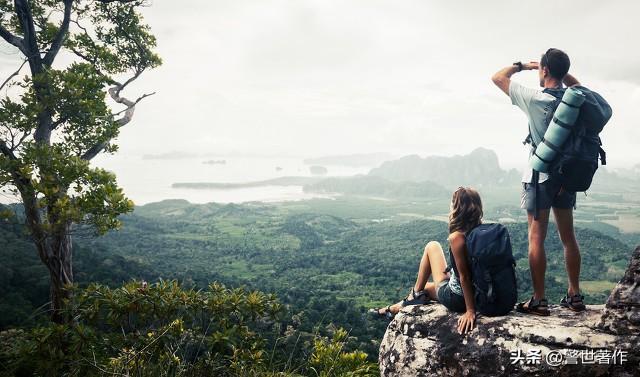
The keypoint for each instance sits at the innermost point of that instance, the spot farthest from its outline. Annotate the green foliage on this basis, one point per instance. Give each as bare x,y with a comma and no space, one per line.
95,197
120,41
155,330
329,359
164,330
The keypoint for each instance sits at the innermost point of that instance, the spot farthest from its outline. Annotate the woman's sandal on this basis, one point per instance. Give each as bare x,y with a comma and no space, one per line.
417,298
386,314
533,306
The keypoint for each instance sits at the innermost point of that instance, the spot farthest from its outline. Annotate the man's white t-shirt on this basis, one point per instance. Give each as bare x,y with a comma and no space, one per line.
537,105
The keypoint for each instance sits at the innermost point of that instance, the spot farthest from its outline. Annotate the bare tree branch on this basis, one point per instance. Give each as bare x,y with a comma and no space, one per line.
30,43
93,63
12,39
77,22
6,150
23,138
114,92
93,151
84,57
14,74
131,105
136,102
58,122
60,36
13,136
118,87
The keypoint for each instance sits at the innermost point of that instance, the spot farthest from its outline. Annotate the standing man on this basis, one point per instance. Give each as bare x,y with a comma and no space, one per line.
539,107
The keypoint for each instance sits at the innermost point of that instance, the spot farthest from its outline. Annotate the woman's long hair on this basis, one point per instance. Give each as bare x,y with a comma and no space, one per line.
466,210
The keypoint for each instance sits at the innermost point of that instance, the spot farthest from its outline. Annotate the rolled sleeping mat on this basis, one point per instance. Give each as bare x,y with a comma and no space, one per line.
559,129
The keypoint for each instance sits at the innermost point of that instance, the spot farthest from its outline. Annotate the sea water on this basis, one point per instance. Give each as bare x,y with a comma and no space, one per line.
147,180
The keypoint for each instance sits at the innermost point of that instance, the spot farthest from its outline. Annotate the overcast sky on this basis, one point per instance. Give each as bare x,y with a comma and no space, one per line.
309,78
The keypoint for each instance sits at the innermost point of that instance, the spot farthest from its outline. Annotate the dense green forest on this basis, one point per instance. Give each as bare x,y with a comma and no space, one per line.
326,269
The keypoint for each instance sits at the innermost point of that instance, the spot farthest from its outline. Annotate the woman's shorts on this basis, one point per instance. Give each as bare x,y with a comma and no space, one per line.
450,300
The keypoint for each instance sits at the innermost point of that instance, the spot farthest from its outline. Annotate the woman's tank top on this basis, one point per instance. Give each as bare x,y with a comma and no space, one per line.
454,282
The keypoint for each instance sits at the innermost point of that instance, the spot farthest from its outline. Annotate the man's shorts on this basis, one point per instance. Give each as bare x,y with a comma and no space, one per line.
549,195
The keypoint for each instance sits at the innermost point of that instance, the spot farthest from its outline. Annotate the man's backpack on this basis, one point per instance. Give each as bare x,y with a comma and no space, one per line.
492,269
577,159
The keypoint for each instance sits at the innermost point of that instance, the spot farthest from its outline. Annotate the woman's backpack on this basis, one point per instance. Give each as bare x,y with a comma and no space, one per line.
492,269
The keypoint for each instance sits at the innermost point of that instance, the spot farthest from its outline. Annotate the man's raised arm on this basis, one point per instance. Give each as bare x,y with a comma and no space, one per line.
502,78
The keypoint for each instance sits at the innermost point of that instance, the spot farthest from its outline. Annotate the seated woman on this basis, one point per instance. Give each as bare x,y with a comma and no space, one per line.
454,290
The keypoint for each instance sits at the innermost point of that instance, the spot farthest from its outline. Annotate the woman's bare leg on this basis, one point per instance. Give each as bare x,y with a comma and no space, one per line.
432,262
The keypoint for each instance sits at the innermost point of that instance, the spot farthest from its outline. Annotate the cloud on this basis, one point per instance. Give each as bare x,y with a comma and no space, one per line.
314,77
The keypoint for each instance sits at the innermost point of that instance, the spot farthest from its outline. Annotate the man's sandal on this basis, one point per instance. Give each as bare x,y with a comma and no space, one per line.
417,298
574,303
535,307
386,314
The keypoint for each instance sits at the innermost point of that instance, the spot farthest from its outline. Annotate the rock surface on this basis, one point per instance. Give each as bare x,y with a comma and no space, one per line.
622,312
422,340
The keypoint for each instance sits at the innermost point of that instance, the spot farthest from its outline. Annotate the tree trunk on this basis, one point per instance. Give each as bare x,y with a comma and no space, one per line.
56,253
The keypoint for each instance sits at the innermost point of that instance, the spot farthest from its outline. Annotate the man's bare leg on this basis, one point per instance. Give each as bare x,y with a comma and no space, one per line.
564,221
537,256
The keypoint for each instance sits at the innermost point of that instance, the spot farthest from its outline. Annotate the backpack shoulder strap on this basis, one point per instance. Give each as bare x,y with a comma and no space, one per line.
536,188
556,92
602,153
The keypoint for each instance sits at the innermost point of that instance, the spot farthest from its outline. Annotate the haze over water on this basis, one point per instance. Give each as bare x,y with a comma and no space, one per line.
150,180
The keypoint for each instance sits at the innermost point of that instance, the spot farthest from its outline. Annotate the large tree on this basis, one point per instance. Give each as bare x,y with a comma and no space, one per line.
59,110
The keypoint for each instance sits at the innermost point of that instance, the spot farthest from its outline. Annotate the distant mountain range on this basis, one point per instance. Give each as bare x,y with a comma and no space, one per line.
434,174
478,168
368,185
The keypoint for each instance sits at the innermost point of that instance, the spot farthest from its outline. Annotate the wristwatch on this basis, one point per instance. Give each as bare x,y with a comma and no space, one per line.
519,65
